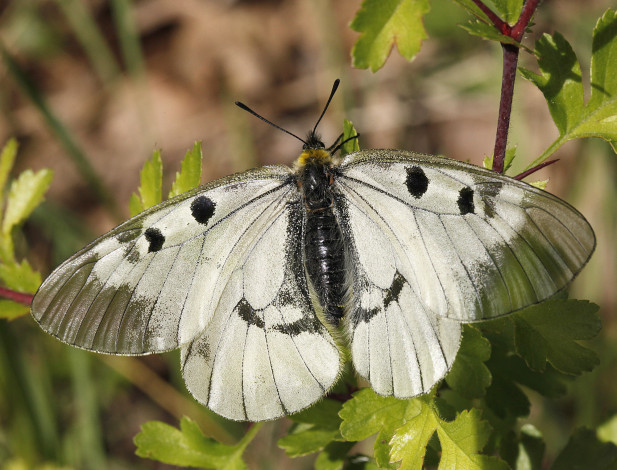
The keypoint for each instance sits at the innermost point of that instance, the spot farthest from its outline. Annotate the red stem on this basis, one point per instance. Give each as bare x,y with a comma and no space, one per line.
534,169
18,297
501,25
510,62
518,30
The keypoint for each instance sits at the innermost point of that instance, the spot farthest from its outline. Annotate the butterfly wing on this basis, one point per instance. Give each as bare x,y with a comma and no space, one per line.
436,241
216,271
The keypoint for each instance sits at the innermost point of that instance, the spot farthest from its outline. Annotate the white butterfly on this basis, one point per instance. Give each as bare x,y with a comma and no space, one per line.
249,275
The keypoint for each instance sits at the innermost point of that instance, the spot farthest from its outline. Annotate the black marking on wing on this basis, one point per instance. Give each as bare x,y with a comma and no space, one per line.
203,350
363,315
394,291
130,235
417,182
488,194
304,324
465,201
202,209
249,315
155,239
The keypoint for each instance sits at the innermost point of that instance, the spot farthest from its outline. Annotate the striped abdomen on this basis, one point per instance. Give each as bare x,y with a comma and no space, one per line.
325,261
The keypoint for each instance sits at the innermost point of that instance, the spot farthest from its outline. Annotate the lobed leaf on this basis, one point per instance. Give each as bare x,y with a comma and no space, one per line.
548,332
585,450
333,456
20,277
317,427
187,446
368,413
151,184
25,194
469,376
382,23
461,441
560,82
189,176
7,159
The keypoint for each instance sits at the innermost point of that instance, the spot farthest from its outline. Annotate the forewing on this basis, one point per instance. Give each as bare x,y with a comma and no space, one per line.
472,244
265,354
433,242
149,284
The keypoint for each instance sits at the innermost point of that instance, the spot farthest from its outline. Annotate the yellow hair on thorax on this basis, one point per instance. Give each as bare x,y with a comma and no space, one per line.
318,156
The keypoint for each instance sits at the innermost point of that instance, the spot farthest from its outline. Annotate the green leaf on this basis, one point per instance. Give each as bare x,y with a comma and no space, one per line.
607,431
541,184
384,23
352,145
318,427
324,413
150,188
461,441
189,176
584,450
472,8
333,456
368,413
25,195
507,161
469,376
20,277
7,159
489,32
307,440
560,82
548,332
509,9
189,447
135,205
11,310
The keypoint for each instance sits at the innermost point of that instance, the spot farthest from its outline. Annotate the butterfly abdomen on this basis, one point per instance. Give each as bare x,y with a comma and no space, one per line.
325,261
323,240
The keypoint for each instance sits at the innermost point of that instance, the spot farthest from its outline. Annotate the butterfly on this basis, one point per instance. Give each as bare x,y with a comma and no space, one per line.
253,276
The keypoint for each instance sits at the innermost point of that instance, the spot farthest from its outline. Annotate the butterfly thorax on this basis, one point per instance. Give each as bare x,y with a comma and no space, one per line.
323,239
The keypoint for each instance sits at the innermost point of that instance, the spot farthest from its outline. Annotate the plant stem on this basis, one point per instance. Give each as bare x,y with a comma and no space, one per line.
534,169
510,61
501,25
19,297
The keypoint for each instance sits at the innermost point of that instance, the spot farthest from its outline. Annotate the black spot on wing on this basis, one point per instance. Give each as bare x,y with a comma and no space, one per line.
248,314
155,239
465,201
394,291
417,182
202,209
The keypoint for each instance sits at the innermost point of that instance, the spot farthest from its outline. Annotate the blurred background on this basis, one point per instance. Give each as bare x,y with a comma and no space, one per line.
91,87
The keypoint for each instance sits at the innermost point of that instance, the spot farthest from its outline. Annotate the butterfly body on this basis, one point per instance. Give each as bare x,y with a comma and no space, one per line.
324,247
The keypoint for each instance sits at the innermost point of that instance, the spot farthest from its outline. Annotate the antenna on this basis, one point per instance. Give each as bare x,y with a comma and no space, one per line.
246,108
312,135
334,87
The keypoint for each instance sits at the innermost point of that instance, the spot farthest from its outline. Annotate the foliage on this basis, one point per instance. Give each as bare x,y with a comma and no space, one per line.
25,193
